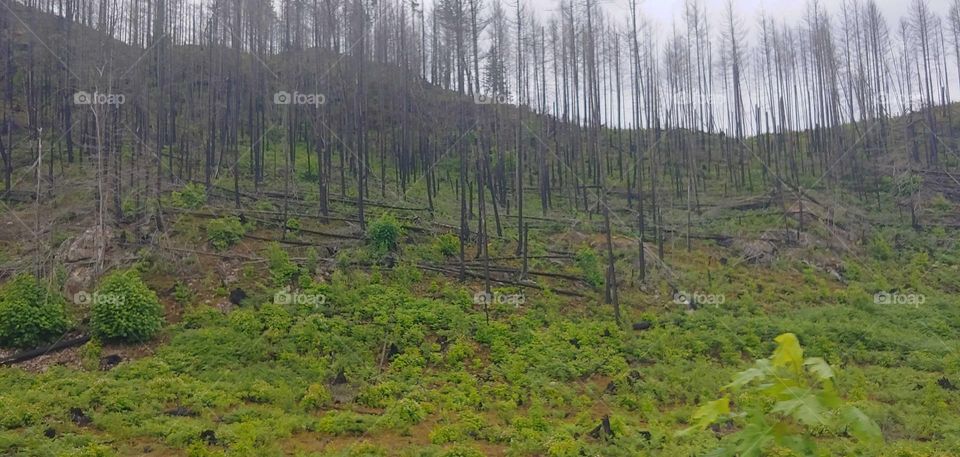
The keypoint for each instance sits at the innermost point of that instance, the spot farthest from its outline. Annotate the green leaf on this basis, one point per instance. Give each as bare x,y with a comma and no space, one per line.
707,414
800,445
788,354
760,370
720,452
860,425
829,397
819,368
806,409
754,438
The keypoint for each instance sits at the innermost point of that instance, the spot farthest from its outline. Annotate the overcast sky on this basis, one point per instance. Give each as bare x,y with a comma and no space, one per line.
664,12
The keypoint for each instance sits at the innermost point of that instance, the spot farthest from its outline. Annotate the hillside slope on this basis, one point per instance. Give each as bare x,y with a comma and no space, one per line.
296,323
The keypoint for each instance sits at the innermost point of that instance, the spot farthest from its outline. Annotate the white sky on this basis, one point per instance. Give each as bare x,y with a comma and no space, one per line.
665,11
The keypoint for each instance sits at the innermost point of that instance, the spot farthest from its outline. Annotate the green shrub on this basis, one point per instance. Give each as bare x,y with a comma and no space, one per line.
316,397
90,354
182,294
461,451
95,450
589,263
264,205
459,351
125,309
378,395
908,184
313,260
30,314
563,446
282,270
443,434
448,244
247,322
343,423
880,249
274,317
192,196
365,449
402,414
940,203
384,234
293,225
225,232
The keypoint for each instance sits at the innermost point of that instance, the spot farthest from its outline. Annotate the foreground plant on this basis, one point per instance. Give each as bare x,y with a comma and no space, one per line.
787,398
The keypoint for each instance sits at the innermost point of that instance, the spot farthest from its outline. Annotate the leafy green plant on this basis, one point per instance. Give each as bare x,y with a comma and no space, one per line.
879,248
316,397
125,309
282,270
30,314
181,293
384,234
128,206
589,263
90,354
344,423
264,205
402,414
225,232
940,203
448,244
313,260
192,196
787,399
293,225
461,451
908,184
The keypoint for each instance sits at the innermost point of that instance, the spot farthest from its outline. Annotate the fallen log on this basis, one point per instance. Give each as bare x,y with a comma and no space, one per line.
493,259
289,241
23,356
500,269
215,254
475,275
